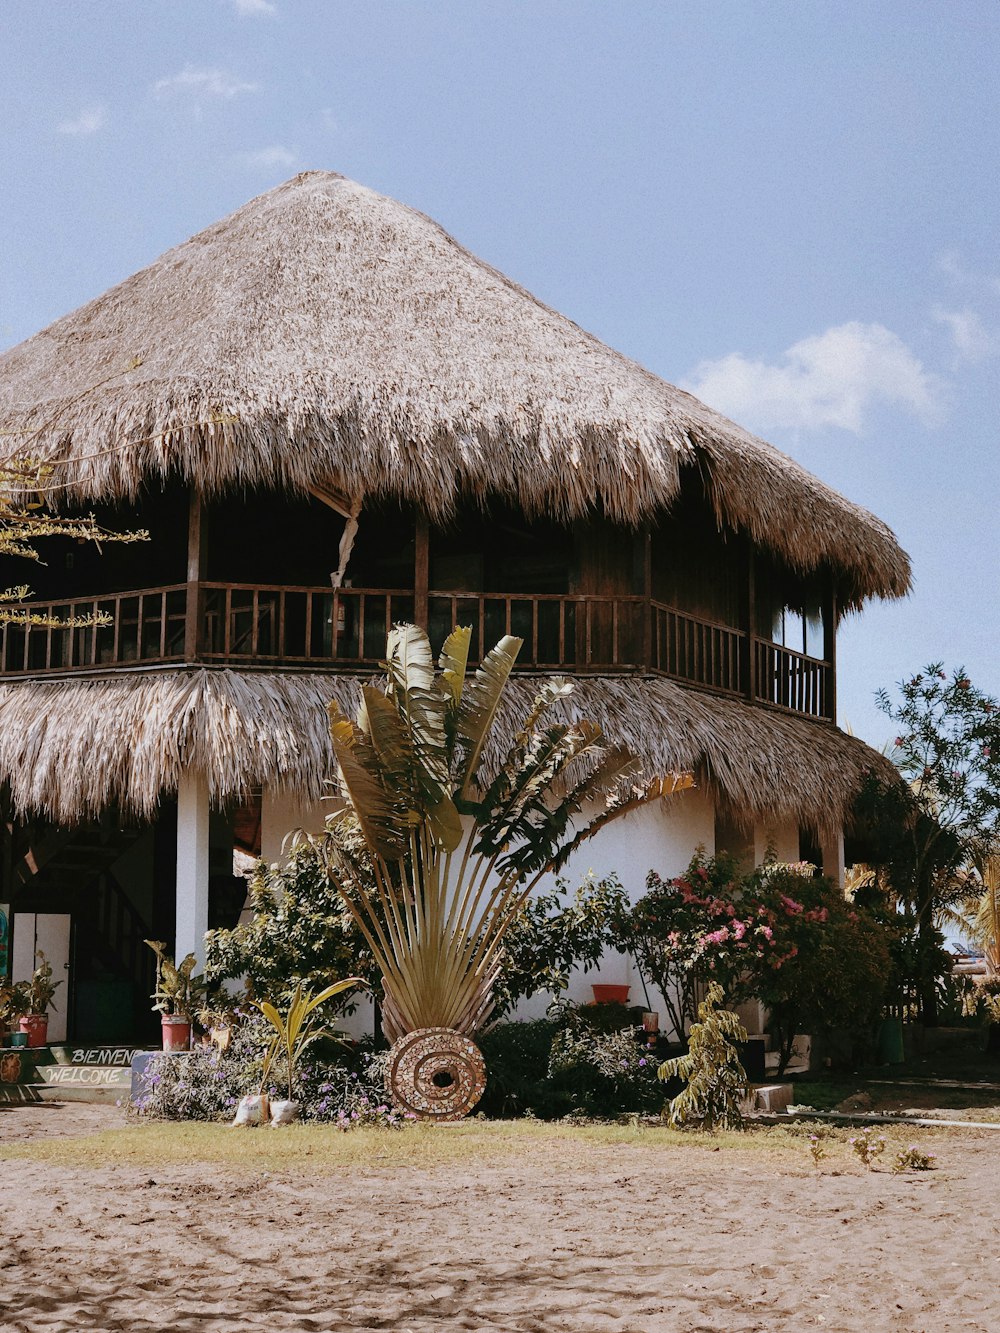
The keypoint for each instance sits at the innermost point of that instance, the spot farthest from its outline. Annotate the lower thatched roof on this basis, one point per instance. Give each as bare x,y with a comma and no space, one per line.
70,749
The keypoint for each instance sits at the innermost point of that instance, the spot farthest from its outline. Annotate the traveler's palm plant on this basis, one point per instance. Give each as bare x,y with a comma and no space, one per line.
432,855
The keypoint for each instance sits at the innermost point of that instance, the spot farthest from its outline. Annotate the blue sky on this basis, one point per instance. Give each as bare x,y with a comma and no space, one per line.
788,208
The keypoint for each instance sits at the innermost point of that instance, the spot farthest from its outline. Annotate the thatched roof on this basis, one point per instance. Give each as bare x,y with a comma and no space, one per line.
324,335
70,749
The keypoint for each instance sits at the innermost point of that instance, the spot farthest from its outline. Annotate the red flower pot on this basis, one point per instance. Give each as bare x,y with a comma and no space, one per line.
606,994
37,1028
176,1032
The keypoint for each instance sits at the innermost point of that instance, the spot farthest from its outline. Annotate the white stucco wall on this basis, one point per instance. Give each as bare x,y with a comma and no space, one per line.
663,838
280,813
780,838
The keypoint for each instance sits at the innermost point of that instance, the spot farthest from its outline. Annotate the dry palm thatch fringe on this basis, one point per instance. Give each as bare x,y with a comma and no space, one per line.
70,749
326,336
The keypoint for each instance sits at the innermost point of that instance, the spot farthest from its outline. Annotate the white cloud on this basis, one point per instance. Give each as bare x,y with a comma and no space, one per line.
970,338
275,156
953,266
89,121
203,83
254,7
830,379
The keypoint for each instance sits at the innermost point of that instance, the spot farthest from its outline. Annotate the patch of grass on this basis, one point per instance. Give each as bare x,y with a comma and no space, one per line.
321,1148
824,1094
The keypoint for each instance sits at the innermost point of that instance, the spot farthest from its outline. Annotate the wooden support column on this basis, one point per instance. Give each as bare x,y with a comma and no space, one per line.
830,650
197,535
751,623
421,570
646,538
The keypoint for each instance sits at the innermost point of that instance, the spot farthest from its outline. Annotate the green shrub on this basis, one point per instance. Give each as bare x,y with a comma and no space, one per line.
602,1073
552,934
517,1064
716,1081
300,932
568,1064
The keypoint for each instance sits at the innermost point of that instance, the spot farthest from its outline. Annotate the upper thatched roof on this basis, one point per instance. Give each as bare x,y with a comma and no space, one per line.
326,335
70,749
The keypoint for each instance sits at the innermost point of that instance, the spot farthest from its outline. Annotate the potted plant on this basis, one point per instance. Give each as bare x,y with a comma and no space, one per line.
37,999
606,993
13,1004
179,993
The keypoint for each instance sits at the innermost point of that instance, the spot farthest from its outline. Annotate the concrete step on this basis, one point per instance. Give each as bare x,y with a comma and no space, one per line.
796,1064
82,1083
19,1094
105,1055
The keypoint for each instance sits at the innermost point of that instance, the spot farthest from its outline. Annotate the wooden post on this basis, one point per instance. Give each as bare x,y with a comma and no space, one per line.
830,651
197,534
647,594
751,649
421,570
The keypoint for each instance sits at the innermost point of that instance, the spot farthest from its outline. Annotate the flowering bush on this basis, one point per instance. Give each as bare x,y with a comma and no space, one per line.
779,934
686,926
866,1147
913,1159
207,1083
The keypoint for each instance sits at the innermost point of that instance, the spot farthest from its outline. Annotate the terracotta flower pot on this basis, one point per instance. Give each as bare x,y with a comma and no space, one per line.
607,994
37,1028
176,1032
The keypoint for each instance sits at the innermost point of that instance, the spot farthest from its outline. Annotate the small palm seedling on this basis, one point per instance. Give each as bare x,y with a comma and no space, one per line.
717,1086
294,1033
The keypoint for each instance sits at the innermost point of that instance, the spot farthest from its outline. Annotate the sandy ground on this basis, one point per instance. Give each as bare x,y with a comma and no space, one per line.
593,1240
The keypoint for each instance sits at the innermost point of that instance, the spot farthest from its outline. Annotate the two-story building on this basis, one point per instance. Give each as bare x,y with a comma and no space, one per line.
331,417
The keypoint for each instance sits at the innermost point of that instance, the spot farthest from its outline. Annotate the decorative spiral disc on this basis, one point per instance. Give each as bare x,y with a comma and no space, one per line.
436,1074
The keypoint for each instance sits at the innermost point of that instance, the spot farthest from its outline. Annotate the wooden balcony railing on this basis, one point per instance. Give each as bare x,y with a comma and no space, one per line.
244,624
147,626
689,648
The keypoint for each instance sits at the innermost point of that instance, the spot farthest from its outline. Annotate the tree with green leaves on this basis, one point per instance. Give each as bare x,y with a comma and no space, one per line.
434,850
299,931
716,1081
930,833
25,520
